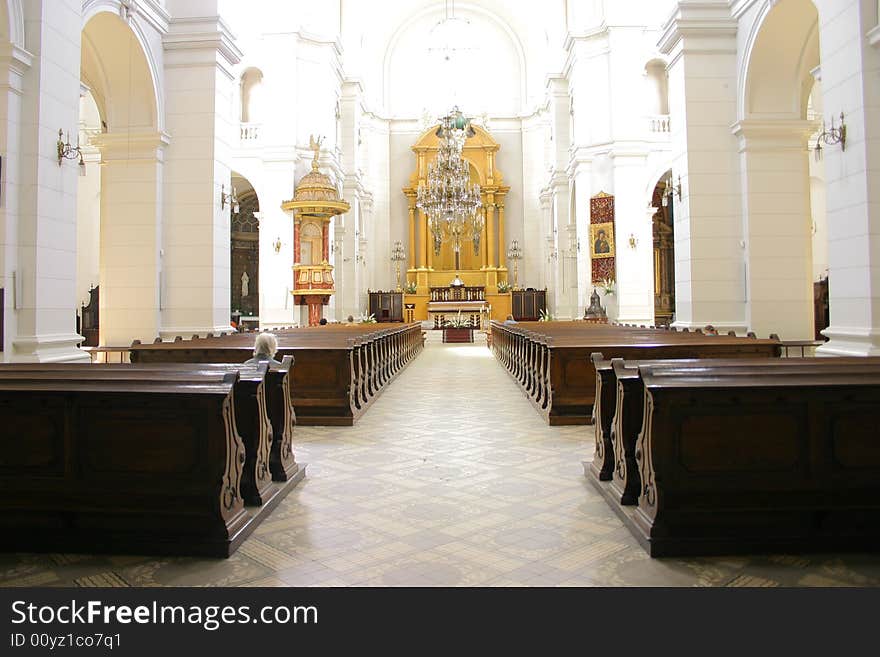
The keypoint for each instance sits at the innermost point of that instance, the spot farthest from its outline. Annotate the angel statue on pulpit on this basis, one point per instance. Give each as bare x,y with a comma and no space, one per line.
315,145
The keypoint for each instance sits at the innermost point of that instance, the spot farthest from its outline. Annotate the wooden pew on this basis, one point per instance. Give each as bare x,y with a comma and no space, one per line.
109,464
551,360
620,415
264,416
340,369
751,456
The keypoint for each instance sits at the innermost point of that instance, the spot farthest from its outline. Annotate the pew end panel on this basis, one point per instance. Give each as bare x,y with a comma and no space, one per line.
740,469
142,471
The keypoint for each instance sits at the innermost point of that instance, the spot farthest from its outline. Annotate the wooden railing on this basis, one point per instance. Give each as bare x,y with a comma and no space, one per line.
458,294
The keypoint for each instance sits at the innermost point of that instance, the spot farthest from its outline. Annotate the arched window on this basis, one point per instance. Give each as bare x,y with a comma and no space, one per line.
656,88
251,96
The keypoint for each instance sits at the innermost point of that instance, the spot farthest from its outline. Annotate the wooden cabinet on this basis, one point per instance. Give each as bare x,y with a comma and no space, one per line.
820,307
387,306
527,305
89,326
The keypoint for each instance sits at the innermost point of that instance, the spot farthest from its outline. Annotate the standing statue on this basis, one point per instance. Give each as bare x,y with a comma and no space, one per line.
315,145
245,279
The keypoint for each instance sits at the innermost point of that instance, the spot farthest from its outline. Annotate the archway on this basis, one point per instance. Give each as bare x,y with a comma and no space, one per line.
121,189
663,232
245,251
781,56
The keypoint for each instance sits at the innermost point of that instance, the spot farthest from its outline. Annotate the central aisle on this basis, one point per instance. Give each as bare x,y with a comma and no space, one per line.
450,478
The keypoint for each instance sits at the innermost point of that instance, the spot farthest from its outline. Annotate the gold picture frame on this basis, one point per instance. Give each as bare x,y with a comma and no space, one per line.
602,240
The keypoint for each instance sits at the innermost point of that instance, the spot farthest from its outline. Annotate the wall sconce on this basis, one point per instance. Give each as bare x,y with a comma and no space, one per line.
670,190
277,245
633,241
231,198
832,136
67,151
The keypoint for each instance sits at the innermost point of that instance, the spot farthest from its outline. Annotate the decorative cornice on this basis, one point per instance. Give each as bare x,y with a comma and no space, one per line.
202,33
773,134
154,14
698,20
16,60
131,145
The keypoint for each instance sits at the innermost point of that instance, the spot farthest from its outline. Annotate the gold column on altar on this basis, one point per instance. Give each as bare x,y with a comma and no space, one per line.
484,241
429,240
490,229
501,249
423,228
412,233
426,240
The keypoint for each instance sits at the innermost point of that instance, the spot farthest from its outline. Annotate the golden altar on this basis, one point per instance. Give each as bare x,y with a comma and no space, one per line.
431,268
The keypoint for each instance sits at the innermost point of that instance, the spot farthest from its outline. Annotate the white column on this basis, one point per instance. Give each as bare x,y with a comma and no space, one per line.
348,273
14,64
776,221
564,290
130,236
45,257
199,56
276,273
700,40
635,262
581,177
851,84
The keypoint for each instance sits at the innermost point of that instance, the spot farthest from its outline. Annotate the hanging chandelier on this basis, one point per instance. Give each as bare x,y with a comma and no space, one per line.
448,198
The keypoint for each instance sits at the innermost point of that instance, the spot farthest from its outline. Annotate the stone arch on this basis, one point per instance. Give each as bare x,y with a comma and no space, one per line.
781,52
117,66
12,23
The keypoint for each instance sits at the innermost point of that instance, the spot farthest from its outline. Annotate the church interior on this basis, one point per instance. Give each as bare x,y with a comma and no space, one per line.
574,293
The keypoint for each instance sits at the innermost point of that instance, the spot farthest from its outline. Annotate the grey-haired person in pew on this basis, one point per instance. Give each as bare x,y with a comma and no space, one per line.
265,348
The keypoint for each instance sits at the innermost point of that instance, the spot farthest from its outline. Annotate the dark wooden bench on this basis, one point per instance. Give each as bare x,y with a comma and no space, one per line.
744,456
126,459
620,405
339,371
551,360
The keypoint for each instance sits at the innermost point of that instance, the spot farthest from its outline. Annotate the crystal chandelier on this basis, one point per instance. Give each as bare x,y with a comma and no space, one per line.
448,198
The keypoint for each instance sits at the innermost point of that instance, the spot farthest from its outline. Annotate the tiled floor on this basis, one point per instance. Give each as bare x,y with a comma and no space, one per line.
450,479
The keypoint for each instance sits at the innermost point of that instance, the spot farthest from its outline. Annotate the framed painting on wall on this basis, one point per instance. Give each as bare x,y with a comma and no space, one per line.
602,240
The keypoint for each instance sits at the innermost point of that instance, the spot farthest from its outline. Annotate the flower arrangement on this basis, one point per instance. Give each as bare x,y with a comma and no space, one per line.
545,316
606,285
410,287
367,319
503,287
458,322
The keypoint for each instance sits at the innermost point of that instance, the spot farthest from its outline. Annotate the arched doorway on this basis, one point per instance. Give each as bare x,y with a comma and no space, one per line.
782,57
663,232
245,252
119,197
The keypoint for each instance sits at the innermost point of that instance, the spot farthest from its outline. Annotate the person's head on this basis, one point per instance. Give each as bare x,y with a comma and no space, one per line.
601,234
510,318
350,319
265,345
710,330
323,321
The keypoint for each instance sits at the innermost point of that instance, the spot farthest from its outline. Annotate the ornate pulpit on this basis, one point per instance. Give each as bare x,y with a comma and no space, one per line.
315,202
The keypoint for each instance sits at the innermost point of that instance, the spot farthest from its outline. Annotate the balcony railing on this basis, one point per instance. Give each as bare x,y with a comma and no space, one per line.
250,132
658,124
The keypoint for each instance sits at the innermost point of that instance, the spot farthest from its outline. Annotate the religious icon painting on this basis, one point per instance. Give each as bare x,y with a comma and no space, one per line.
602,240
